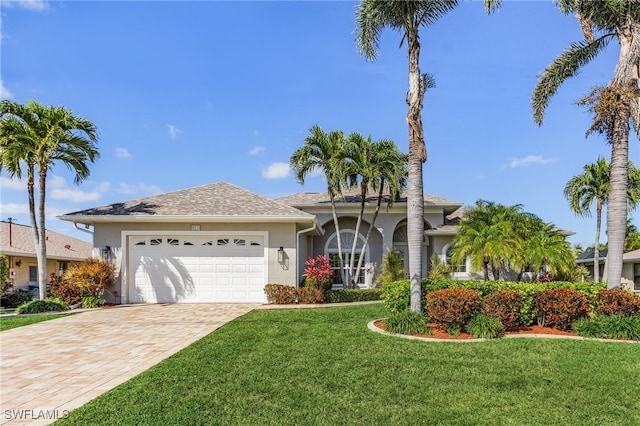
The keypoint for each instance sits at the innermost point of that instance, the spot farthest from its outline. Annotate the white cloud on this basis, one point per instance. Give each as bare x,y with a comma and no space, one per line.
37,5
12,184
529,159
174,132
4,92
61,191
140,188
257,150
14,208
277,170
123,153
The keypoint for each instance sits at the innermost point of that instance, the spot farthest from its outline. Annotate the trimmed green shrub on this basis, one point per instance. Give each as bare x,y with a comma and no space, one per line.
40,306
4,274
485,327
616,302
396,295
310,295
407,322
92,302
281,294
14,299
560,307
504,305
609,327
452,307
352,295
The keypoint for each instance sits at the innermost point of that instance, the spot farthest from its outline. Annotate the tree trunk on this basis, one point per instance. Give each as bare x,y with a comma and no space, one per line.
41,247
366,238
596,250
626,76
417,156
617,207
353,275
337,226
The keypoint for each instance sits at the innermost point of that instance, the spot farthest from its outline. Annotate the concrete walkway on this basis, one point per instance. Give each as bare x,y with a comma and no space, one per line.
52,367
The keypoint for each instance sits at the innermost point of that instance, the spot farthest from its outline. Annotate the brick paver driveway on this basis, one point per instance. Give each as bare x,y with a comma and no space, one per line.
53,366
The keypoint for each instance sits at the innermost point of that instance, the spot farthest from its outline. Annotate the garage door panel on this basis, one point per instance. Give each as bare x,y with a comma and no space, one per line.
196,269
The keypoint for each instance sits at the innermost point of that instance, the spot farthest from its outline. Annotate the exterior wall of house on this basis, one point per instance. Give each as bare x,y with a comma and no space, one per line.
278,235
19,275
631,276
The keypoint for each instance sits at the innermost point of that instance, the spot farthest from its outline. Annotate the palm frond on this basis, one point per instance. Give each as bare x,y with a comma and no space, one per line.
566,65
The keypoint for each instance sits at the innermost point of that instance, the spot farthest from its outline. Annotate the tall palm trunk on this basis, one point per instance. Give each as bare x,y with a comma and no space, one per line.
371,226
354,274
417,156
596,250
343,276
626,74
41,243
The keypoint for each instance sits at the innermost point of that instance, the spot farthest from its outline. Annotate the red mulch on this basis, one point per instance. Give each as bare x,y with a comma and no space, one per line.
439,333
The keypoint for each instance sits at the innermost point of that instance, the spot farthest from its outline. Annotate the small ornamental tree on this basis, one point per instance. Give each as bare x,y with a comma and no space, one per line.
317,273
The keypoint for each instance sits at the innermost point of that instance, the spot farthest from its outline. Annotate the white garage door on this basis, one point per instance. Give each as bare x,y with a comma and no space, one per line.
229,268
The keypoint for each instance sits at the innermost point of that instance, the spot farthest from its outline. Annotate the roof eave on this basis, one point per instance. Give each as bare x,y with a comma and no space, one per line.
90,219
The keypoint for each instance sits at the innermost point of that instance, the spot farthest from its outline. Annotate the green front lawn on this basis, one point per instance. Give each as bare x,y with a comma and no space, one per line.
7,323
323,366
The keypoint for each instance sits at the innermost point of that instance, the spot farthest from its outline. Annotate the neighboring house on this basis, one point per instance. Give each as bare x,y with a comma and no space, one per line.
223,243
630,267
17,244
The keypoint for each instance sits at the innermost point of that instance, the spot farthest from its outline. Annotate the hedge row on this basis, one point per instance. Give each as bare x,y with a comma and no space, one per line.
281,294
396,295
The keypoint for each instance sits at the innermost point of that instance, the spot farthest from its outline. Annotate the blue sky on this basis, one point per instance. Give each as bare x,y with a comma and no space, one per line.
191,93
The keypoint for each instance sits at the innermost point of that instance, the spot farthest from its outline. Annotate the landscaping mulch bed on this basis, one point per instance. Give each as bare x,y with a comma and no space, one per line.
439,333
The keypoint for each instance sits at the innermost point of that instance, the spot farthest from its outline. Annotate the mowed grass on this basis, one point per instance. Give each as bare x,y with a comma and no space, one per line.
323,366
7,323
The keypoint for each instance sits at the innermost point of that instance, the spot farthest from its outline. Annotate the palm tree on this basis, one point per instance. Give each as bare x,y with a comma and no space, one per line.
39,136
487,236
547,250
378,166
325,152
632,239
594,184
614,106
582,190
372,17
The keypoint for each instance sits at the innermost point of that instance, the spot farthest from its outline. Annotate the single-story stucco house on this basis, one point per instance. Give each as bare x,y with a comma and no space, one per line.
18,245
223,243
630,267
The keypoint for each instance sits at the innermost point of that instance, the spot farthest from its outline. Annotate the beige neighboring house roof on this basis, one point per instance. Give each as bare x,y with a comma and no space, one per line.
631,256
352,195
59,246
216,202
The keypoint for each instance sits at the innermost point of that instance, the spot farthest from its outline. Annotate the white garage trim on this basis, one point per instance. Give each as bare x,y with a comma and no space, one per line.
128,275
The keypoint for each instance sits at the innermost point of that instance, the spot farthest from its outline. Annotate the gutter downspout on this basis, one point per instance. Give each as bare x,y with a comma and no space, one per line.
75,225
298,234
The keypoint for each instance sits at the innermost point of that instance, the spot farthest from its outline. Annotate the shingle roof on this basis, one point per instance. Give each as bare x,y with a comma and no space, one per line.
19,242
352,195
220,199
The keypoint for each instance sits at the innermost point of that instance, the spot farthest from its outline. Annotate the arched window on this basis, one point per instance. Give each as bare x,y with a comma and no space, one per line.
347,238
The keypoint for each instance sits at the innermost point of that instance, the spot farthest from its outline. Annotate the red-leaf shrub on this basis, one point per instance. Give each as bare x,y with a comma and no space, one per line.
92,276
318,272
560,307
452,307
310,295
281,294
616,302
64,290
504,305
